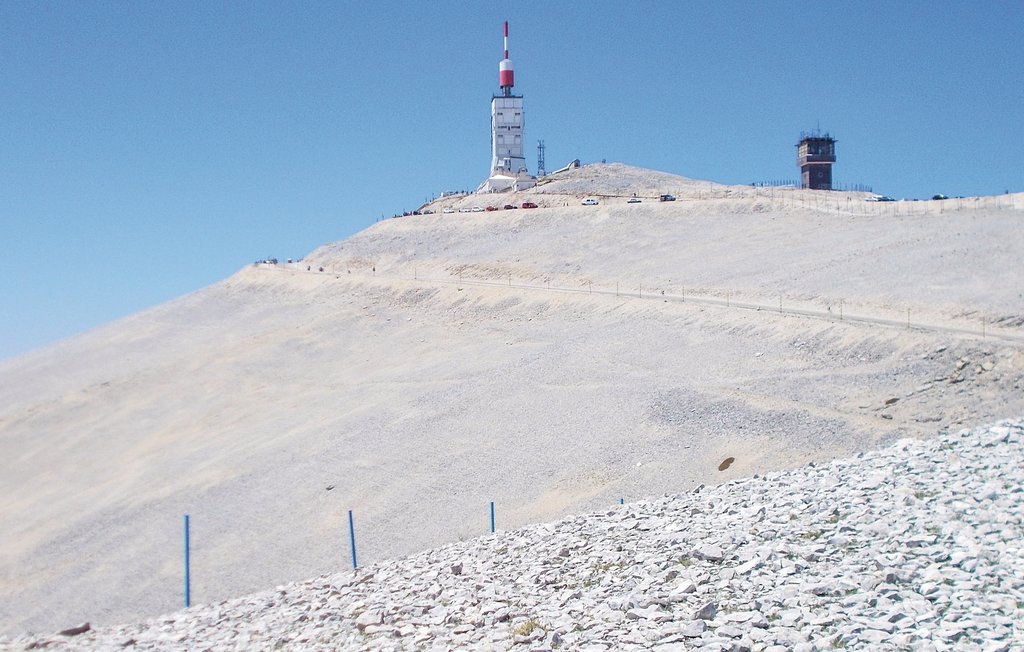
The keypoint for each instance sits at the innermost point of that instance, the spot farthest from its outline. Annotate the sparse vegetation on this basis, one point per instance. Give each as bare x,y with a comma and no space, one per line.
527,628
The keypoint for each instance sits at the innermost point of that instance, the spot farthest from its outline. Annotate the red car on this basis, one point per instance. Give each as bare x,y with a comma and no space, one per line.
492,208
529,204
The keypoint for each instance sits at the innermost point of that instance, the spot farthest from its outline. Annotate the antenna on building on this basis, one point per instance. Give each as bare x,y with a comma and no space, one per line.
540,159
506,74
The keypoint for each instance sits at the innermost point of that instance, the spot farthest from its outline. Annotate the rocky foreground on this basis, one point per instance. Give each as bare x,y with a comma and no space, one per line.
919,546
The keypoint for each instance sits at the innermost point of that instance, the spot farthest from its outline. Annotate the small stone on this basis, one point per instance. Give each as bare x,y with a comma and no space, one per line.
746,567
75,631
694,629
729,631
709,552
707,612
369,617
680,592
882,625
872,636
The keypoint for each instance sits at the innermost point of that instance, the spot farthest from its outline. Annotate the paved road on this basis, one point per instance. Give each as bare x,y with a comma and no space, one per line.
980,331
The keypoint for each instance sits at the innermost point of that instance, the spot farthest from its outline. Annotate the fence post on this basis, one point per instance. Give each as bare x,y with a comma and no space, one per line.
492,517
188,584
352,538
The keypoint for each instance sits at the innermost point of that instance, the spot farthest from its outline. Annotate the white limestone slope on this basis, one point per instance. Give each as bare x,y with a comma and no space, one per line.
917,546
939,259
269,404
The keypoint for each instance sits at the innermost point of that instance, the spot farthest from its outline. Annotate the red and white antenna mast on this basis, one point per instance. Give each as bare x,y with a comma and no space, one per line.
506,75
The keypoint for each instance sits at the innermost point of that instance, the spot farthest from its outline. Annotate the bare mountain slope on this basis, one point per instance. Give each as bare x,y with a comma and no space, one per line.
269,404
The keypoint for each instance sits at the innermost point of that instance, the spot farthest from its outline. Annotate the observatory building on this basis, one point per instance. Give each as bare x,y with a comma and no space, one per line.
508,164
815,155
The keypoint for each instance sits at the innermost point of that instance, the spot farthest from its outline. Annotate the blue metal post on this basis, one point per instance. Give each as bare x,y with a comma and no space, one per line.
352,538
188,587
622,501
492,517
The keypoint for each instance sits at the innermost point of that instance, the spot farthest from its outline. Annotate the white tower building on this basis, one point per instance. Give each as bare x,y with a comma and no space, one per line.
508,164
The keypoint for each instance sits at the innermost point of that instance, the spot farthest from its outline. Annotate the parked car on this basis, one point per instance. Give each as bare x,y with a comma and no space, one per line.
492,208
939,197
448,210
477,209
880,198
510,207
590,202
667,198
633,200
529,204
464,210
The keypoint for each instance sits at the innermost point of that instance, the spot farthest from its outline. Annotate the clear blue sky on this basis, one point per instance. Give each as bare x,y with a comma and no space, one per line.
148,149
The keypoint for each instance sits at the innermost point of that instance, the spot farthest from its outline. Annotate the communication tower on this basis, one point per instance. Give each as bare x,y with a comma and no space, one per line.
815,154
508,165
540,159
